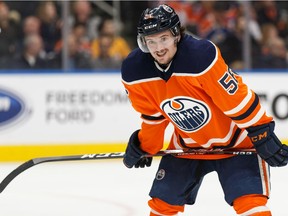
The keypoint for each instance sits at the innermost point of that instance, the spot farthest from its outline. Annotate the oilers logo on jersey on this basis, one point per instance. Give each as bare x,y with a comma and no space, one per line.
187,113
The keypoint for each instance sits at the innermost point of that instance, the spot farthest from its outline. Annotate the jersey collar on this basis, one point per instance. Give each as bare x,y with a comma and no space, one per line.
160,68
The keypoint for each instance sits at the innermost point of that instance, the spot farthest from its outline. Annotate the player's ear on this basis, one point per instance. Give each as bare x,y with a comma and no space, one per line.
177,39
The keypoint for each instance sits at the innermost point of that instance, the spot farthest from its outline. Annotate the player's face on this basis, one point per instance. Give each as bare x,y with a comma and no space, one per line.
162,46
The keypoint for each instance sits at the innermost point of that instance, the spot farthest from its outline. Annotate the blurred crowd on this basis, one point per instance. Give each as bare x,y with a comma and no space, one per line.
31,32
31,36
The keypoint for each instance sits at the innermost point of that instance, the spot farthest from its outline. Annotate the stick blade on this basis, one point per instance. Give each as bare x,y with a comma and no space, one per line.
15,173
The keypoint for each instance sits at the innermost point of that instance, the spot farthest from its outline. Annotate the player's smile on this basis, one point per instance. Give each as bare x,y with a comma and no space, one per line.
161,53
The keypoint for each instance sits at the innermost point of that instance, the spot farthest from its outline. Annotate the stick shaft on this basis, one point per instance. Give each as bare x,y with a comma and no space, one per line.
114,155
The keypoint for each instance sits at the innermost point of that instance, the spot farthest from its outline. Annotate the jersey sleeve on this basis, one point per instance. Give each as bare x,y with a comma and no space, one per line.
153,125
232,95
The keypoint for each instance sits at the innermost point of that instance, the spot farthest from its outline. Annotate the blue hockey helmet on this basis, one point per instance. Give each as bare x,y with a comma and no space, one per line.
156,20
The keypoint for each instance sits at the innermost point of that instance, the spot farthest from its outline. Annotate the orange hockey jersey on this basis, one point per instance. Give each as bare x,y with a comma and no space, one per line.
208,104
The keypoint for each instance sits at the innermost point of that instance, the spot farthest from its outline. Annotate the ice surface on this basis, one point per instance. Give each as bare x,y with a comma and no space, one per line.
107,188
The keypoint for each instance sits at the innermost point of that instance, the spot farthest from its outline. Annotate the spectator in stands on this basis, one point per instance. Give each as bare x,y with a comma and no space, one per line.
80,33
273,56
109,46
82,13
223,32
254,31
273,12
272,51
104,60
77,58
50,24
79,30
267,12
269,31
9,32
30,25
30,57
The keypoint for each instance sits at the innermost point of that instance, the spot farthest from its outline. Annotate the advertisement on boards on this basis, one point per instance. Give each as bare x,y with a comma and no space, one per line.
64,108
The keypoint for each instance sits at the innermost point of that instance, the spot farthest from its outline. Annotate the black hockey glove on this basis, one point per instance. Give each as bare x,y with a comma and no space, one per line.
267,145
133,154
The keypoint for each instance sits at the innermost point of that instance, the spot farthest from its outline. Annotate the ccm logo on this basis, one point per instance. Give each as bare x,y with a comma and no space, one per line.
259,137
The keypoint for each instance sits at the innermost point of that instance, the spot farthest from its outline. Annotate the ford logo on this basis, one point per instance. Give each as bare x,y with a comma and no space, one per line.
13,109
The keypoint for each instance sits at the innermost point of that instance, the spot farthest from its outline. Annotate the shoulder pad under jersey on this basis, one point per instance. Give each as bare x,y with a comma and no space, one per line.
138,65
194,55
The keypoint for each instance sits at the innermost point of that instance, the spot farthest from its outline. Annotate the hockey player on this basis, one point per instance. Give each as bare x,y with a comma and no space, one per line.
175,78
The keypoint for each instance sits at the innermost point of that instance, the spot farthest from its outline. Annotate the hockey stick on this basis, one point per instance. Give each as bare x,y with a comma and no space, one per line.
180,152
